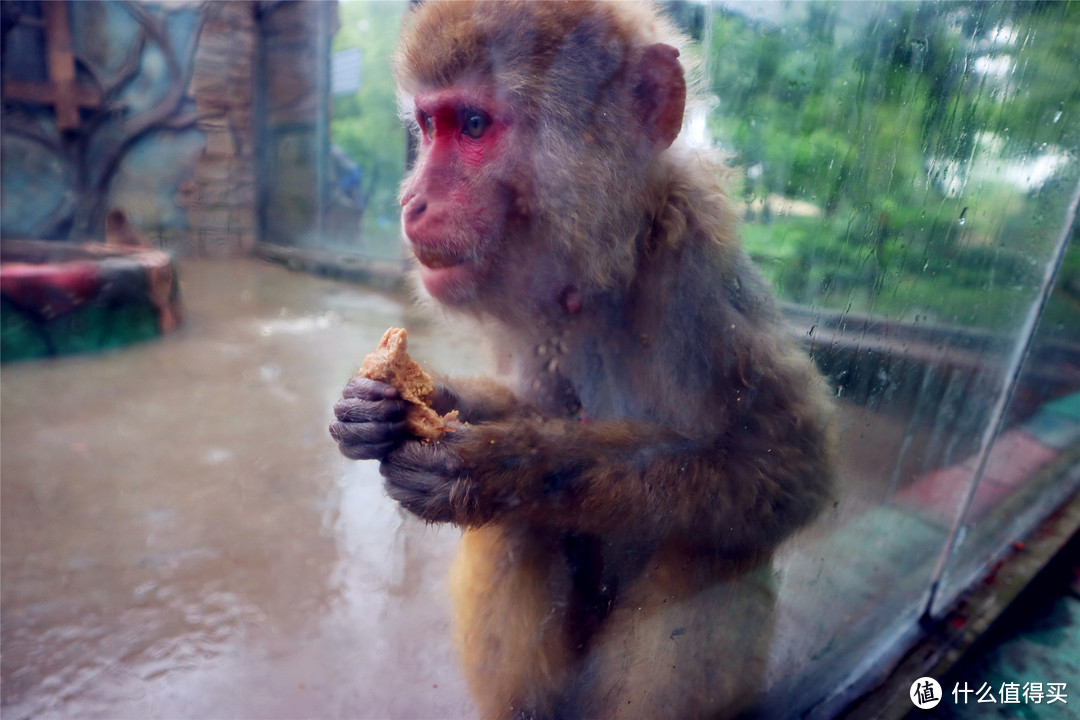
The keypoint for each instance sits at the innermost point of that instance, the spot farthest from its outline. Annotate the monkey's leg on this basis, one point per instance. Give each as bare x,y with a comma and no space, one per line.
509,591
700,654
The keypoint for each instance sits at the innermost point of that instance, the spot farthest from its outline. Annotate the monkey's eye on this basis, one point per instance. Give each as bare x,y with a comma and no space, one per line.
474,123
428,124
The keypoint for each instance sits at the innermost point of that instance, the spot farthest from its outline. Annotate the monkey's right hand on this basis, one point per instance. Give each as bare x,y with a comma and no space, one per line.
370,419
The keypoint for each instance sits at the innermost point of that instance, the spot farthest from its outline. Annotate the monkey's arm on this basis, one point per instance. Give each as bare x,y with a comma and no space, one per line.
743,491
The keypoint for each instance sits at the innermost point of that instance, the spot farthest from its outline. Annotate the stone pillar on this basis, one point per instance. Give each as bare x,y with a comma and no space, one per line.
221,196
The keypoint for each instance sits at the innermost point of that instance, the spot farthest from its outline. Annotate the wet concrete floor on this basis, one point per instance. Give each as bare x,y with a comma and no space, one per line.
181,538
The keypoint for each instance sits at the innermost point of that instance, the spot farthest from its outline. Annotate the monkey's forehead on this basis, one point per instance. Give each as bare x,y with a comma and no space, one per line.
518,42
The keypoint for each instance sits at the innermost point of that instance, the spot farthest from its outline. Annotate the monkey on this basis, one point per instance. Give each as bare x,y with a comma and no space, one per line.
119,232
652,435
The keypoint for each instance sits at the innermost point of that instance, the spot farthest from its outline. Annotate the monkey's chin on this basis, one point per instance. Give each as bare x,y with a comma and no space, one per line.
450,285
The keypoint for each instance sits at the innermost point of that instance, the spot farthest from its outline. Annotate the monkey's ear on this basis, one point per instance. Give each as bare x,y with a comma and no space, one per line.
660,94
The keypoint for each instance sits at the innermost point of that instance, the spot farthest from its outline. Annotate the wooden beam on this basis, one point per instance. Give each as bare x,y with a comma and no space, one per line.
61,63
61,92
45,94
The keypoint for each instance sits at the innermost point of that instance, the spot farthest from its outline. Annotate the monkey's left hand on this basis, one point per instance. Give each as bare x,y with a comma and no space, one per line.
426,478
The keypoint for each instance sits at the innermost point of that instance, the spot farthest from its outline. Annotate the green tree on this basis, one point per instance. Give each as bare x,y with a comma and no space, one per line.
908,126
365,125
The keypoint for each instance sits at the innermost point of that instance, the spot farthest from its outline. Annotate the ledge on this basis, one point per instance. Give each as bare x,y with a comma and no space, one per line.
60,297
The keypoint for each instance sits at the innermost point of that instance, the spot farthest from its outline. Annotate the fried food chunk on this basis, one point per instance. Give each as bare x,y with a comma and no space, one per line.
390,363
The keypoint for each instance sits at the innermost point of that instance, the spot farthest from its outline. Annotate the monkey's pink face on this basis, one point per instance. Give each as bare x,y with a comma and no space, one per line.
454,205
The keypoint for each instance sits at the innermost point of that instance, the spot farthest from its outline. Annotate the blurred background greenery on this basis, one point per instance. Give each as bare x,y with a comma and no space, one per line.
909,160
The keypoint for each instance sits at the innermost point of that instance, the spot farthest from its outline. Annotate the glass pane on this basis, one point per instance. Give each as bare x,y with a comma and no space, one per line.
1031,465
367,140
908,170
292,153
904,171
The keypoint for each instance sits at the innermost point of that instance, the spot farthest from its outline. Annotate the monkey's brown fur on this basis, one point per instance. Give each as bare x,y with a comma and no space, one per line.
659,437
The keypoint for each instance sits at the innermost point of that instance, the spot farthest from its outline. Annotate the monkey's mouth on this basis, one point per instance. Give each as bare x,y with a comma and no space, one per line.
436,259
448,277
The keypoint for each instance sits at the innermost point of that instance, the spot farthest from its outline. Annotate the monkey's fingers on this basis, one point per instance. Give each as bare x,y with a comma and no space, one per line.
443,399
436,458
420,476
365,452
424,494
365,411
367,389
366,441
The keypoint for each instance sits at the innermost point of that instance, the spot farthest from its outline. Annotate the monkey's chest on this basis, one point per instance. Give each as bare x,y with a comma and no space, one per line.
612,383
584,384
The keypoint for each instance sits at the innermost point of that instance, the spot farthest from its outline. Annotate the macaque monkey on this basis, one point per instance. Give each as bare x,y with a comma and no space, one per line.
119,232
656,436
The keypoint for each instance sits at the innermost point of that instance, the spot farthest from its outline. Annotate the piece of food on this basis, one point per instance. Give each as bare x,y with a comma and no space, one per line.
390,363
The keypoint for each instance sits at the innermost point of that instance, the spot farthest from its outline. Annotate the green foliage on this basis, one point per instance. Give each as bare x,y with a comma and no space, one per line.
910,127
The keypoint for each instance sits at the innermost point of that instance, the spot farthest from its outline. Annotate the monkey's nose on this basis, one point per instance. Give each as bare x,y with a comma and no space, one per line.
414,207
413,216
